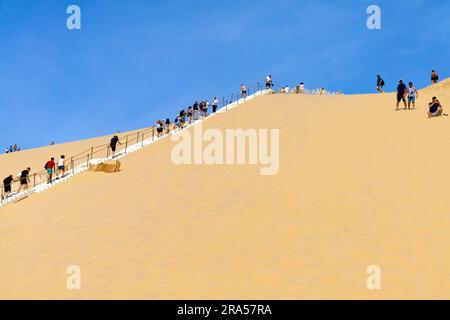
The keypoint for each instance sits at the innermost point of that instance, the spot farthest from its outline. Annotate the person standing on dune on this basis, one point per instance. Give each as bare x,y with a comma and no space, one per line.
269,82
380,84
243,90
434,77
401,94
412,95
215,103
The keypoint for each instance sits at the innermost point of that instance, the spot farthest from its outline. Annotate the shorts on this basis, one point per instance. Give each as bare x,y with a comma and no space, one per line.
61,168
435,79
50,171
113,148
23,181
244,92
8,188
412,99
400,97
435,114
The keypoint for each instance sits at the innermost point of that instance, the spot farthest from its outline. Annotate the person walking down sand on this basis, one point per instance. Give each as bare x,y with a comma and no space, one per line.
435,108
24,178
113,145
215,104
380,84
401,94
243,91
412,95
7,186
434,77
61,167
50,167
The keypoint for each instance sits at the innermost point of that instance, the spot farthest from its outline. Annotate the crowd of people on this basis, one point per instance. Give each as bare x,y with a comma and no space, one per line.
51,167
12,149
408,94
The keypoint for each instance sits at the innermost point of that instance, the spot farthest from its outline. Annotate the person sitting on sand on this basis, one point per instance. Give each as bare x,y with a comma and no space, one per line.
401,94
412,95
435,109
434,77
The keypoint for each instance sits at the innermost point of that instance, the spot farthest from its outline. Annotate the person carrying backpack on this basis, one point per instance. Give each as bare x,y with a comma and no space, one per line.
50,167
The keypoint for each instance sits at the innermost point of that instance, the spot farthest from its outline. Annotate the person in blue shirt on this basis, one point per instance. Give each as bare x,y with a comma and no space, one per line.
402,91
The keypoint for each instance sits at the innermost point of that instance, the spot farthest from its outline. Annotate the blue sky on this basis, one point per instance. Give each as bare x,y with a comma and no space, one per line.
139,60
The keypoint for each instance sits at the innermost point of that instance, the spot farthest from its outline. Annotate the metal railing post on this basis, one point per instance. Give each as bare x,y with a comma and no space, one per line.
92,152
142,143
87,162
153,134
73,166
137,140
126,145
34,180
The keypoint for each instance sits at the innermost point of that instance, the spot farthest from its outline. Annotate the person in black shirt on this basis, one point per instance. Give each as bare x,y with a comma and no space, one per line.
380,84
113,144
435,108
7,185
434,77
401,94
24,179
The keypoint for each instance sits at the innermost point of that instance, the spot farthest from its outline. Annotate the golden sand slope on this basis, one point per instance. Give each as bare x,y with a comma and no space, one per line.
359,185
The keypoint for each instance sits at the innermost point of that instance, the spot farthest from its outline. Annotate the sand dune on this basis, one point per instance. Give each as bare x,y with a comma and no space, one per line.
359,185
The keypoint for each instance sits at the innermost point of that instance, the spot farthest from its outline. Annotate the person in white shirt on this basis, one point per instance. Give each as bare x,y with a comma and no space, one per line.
269,82
412,95
243,91
215,104
302,87
286,89
61,166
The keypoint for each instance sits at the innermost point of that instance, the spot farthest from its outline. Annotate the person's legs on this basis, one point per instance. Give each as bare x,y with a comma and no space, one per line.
439,113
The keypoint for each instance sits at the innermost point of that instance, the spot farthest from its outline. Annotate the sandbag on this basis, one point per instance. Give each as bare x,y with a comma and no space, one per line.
108,167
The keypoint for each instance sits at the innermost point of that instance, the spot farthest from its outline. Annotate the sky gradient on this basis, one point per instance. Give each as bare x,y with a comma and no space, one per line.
136,61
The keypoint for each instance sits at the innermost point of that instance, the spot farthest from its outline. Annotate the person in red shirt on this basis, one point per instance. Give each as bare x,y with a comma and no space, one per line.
50,167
